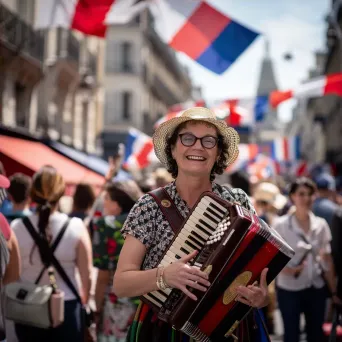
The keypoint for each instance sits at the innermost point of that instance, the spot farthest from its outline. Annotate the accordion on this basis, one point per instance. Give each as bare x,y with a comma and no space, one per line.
234,247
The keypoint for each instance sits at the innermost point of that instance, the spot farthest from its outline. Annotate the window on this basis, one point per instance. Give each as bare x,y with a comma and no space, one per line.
126,58
126,105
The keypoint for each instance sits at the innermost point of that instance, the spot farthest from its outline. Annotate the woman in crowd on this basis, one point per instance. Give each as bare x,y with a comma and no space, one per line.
114,314
73,251
301,285
193,147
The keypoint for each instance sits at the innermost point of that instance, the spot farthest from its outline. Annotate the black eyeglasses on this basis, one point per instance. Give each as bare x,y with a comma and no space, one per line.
188,139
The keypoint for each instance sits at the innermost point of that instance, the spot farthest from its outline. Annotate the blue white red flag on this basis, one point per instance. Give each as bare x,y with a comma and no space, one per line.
139,151
286,149
205,34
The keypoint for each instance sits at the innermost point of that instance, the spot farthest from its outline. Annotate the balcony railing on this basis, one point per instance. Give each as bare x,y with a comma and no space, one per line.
68,46
19,35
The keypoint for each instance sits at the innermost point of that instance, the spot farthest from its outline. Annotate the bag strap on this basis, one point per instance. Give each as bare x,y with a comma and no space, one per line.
37,239
54,262
55,245
168,208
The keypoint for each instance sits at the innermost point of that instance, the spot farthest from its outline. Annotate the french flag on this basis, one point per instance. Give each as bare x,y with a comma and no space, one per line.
286,149
243,112
203,33
263,167
324,85
139,152
88,16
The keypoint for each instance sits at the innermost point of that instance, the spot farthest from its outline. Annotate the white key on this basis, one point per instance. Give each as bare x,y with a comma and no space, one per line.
177,251
189,228
198,215
152,300
195,221
209,216
217,213
210,200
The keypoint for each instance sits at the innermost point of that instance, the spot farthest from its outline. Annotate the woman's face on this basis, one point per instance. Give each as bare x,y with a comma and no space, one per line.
196,159
303,198
110,207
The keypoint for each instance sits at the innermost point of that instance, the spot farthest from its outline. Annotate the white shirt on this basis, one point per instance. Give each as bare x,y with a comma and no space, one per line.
65,252
318,237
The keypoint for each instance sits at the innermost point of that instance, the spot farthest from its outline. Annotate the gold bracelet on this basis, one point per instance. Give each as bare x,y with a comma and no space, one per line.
159,285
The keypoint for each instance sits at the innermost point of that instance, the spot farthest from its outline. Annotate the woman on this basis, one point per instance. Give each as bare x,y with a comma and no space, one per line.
73,251
301,285
114,314
193,147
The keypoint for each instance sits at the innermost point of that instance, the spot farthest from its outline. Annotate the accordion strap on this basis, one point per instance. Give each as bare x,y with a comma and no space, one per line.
168,208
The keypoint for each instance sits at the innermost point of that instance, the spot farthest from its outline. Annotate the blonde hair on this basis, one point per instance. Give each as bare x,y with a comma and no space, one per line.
48,187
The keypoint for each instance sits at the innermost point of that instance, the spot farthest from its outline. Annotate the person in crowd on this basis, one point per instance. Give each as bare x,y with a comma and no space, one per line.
11,272
19,195
194,148
9,255
73,252
240,179
83,200
324,205
6,205
268,201
114,314
301,284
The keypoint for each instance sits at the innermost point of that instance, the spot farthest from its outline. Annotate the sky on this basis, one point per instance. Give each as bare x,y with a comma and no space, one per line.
293,26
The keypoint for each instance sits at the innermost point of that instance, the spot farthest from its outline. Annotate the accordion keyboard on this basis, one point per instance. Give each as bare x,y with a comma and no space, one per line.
200,225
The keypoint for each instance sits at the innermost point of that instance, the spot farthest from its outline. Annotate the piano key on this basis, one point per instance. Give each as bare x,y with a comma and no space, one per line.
169,260
210,209
196,225
173,255
159,295
177,251
186,240
153,300
198,215
215,204
205,214
192,241
183,247
203,236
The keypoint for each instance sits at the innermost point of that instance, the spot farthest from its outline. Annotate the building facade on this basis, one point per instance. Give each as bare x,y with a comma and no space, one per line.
142,79
49,84
308,119
332,113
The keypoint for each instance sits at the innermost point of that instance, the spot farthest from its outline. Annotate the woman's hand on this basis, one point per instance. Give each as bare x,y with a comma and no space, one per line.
253,295
180,275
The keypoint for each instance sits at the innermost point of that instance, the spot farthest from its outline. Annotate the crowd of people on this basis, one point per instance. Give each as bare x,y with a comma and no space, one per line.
122,233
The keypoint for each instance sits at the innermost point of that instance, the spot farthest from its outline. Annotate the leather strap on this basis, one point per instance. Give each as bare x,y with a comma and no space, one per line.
168,208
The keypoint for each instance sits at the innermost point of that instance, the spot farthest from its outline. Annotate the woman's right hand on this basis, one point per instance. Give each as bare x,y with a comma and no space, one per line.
180,275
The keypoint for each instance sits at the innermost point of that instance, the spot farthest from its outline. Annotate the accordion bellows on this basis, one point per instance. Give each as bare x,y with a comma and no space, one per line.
234,247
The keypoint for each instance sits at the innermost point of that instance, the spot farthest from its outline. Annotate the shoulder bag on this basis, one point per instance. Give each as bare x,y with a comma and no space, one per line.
32,304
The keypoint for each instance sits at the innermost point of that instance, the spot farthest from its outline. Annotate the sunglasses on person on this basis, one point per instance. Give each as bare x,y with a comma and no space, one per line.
188,140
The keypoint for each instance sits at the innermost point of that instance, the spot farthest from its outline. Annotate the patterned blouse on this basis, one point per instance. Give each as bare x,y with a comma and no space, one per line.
147,223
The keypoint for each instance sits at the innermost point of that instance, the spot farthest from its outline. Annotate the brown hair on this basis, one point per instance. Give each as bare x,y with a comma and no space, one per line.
84,197
48,187
119,192
20,187
219,166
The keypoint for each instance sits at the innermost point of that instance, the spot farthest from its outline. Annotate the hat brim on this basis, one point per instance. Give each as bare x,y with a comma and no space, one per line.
166,129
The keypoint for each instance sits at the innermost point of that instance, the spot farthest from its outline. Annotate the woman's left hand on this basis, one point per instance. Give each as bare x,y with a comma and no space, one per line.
253,295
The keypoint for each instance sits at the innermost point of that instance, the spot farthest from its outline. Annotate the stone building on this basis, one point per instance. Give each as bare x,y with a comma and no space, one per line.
49,79
142,79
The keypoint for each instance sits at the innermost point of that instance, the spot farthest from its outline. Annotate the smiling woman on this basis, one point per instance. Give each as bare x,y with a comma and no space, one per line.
194,148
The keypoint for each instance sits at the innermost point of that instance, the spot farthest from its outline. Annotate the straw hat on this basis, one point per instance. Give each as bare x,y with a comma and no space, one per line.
166,129
270,193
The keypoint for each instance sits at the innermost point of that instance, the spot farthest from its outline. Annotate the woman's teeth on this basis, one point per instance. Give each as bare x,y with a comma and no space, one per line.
195,158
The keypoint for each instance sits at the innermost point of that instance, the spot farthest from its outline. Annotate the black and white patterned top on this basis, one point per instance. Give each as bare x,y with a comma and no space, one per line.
147,223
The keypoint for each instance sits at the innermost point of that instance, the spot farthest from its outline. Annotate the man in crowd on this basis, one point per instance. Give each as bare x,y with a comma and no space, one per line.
324,205
19,195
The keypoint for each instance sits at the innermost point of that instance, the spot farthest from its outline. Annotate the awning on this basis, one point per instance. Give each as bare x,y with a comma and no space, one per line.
89,161
19,155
